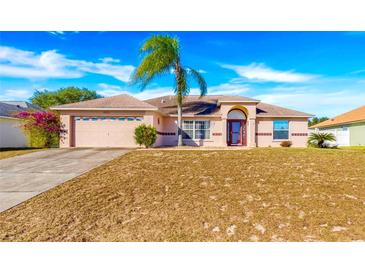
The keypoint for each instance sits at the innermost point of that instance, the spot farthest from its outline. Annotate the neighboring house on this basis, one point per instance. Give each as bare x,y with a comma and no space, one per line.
23,104
10,133
348,128
207,121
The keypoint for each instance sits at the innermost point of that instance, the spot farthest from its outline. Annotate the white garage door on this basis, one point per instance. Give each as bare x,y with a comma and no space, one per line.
105,131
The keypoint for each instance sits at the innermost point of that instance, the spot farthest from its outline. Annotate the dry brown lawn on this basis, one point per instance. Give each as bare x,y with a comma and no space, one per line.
11,152
156,195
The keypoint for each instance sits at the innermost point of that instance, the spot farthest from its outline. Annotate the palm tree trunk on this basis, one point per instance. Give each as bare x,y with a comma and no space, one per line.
179,102
179,125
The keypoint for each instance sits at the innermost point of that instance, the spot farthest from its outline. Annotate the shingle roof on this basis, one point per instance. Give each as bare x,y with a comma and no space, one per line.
194,105
208,105
352,116
235,98
23,104
267,110
119,101
7,110
10,108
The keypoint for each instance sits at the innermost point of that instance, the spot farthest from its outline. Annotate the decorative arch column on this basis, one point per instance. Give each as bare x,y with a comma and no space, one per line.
236,133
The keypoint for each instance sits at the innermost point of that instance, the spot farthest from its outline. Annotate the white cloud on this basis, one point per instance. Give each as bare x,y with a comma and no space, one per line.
111,90
315,102
57,33
50,64
109,60
223,89
15,94
62,34
262,73
228,89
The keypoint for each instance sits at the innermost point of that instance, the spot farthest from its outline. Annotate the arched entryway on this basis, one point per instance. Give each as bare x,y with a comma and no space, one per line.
236,128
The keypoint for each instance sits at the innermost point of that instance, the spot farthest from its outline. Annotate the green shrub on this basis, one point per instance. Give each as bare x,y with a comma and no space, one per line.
41,128
286,144
321,139
145,135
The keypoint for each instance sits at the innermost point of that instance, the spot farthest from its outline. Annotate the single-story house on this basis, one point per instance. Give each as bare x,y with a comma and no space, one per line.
348,128
10,133
207,121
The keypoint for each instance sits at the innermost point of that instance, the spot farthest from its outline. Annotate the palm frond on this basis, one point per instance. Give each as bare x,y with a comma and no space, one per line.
200,81
319,139
160,54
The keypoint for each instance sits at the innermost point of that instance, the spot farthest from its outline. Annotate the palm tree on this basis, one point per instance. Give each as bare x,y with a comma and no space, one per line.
319,139
161,56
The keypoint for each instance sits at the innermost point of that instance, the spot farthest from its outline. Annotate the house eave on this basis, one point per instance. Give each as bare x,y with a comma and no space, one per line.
237,102
121,109
338,124
196,116
284,116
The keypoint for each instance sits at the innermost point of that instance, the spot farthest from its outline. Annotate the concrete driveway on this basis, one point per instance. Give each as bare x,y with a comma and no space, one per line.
25,176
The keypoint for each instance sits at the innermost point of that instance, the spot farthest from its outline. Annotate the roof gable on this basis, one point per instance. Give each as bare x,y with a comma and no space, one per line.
209,105
122,101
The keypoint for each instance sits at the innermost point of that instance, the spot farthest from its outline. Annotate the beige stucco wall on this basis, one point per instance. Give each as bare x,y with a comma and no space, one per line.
10,133
167,128
158,124
250,111
264,129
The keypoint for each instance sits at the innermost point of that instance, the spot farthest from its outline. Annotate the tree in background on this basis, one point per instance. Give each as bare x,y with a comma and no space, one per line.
162,57
316,120
43,129
47,99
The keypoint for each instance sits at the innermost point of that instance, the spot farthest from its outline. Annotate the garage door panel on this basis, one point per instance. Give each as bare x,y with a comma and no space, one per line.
105,132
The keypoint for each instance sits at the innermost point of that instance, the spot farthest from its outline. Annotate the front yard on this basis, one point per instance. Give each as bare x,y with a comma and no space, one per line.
161,195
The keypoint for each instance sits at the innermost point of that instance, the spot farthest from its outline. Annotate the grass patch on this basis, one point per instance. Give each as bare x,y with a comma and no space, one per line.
354,147
158,195
11,152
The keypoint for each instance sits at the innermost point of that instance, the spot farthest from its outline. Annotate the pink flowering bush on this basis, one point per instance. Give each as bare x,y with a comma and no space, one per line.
42,128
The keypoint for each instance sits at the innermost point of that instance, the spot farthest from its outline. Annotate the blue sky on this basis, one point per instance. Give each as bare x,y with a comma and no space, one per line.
322,73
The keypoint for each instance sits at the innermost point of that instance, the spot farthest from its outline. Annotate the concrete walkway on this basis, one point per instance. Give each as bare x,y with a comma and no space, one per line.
25,176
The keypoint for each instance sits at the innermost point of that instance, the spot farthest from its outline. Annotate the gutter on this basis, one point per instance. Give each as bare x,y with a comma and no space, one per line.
338,124
284,116
129,109
236,102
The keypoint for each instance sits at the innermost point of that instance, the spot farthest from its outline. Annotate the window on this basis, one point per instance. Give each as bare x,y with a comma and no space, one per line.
202,129
188,129
281,130
196,129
